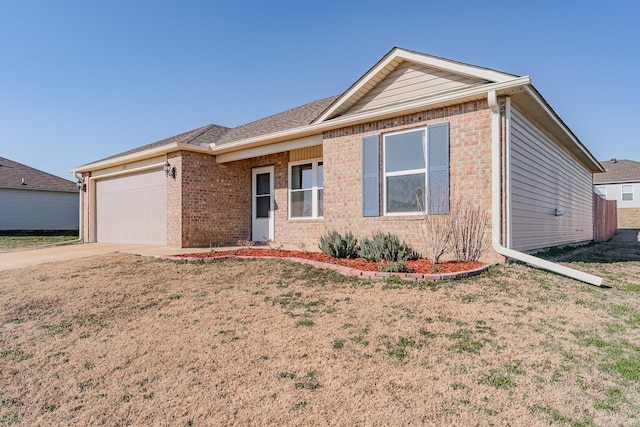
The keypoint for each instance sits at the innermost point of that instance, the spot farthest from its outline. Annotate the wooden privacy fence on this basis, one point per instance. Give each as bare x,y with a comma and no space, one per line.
605,218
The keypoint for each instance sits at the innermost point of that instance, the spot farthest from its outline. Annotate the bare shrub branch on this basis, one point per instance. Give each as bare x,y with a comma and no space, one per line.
468,230
435,231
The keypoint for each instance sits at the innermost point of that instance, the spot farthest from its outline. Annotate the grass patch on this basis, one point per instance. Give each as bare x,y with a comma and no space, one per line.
14,242
465,342
627,367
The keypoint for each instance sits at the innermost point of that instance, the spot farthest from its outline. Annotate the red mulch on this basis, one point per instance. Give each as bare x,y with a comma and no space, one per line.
421,265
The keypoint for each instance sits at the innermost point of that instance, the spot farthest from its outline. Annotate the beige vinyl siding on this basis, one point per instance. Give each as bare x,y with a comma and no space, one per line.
132,209
412,81
306,153
544,178
38,210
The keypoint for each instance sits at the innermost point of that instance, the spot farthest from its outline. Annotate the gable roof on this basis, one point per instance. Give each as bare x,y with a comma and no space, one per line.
390,62
362,103
13,173
617,171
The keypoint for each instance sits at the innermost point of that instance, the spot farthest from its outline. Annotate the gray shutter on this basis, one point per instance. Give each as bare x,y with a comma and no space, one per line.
438,168
370,176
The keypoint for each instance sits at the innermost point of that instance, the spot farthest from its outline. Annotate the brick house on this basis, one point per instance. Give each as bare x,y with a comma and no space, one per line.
412,126
621,182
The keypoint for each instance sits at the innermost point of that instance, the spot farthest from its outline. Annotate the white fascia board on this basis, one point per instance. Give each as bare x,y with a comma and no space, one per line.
362,81
440,63
152,152
552,114
382,113
456,67
264,150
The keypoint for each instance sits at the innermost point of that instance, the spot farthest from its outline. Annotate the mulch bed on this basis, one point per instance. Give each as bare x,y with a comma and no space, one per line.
420,266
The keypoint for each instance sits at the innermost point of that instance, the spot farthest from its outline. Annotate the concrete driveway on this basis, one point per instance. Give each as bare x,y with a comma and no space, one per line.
29,257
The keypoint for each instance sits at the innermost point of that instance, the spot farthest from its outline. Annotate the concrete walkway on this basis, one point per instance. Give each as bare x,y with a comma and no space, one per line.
29,257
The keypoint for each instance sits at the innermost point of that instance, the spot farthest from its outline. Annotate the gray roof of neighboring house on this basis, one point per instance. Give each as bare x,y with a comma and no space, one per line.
12,175
618,171
289,119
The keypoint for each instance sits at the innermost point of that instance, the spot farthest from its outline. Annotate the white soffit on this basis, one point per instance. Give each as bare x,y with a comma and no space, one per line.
264,150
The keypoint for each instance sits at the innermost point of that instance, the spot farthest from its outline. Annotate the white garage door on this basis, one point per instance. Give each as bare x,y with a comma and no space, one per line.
132,209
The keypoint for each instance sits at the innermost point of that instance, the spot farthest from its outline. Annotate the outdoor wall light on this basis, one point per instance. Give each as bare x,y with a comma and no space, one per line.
169,171
559,212
81,185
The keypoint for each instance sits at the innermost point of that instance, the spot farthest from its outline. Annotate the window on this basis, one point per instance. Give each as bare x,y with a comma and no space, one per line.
306,194
405,172
415,172
601,190
627,192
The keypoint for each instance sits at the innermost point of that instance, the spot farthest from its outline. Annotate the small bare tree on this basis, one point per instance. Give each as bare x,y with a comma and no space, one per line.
468,230
435,230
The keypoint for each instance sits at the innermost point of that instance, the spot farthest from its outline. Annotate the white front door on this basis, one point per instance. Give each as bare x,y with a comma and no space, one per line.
262,215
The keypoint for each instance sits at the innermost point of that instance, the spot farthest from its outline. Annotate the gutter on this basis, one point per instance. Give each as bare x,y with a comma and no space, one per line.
306,130
140,155
391,111
495,207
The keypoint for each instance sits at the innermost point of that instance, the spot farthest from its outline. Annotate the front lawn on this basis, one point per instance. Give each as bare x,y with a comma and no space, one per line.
11,243
122,339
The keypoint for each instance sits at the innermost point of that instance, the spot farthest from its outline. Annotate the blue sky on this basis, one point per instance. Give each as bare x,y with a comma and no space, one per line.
82,80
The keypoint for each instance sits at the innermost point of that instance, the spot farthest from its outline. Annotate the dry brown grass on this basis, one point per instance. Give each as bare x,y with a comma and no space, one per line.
126,340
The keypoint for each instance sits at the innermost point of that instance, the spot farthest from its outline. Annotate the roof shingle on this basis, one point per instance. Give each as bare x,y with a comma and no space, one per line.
209,134
13,173
205,134
290,119
618,171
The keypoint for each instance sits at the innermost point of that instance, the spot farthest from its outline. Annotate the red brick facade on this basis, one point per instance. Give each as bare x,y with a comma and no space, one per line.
209,203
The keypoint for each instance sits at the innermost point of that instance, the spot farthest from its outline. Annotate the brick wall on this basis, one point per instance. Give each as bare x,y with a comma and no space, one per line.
214,204
628,217
470,169
213,207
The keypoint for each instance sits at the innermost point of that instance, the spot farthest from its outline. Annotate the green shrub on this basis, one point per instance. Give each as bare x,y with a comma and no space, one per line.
396,267
386,247
338,246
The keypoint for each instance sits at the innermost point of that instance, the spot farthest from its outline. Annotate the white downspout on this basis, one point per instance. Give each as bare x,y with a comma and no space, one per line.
496,190
80,214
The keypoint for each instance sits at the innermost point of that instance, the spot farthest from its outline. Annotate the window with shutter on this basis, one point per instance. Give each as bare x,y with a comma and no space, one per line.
370,176
416,171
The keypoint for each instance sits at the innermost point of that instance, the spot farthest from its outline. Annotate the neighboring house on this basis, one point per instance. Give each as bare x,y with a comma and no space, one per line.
33,200
621,182
412,127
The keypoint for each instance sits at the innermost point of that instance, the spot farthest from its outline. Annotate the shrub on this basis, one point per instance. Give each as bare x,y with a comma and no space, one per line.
396,267
461,231
435,230
468,231
386,247
338,246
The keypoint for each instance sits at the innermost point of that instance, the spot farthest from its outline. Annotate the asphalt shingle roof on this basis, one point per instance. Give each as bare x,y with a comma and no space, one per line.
205,134
12,175
289,119
618,171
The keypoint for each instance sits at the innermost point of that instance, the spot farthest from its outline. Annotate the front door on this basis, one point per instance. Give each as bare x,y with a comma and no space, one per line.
262,203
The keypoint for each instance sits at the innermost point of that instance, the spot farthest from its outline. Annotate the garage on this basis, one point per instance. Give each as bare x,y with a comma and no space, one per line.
132,209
